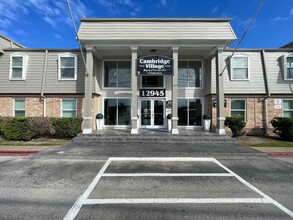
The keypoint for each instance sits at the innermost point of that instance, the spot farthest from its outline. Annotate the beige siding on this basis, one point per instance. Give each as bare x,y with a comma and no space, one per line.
7,43
34,75
155,30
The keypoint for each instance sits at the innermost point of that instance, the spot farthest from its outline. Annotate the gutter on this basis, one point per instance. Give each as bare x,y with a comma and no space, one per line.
266,120
44,82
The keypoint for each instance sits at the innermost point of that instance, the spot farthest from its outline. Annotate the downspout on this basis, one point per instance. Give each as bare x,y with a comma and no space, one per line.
266,119
43,84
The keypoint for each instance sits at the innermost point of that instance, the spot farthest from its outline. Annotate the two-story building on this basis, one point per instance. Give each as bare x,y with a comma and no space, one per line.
137,71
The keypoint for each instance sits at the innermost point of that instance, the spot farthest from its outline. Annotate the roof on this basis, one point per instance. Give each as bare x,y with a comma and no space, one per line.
10,40
155,19
288,45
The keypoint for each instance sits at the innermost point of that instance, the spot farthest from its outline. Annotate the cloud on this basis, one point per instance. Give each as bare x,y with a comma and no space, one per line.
215,9
291,11
121,7
163,3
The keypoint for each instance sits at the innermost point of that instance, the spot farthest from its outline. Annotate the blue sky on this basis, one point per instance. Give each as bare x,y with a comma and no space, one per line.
47,24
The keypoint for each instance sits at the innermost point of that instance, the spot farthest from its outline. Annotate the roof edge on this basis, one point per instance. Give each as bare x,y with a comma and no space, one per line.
10,40
155,19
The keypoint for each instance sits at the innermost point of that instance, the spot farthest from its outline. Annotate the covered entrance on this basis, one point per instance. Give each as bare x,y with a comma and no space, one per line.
152,113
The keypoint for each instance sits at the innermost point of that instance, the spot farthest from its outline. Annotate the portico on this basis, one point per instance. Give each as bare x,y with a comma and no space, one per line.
128,99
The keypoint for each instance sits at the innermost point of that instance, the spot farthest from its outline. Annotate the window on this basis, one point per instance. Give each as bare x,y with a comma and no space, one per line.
238,107
189,112
240,68
18,66
152,81
67,66
117,111
288,67
190,74
68,108
19,107
117,74
288,108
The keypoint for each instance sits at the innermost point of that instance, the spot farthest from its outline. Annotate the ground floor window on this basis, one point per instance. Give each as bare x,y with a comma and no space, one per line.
117,111
68,108
189,112
19,107
288,108
238,107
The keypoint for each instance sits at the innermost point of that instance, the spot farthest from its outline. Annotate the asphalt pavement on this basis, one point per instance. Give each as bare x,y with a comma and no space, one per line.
146,181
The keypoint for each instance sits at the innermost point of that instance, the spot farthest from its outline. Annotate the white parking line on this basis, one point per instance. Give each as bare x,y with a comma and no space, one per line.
83,199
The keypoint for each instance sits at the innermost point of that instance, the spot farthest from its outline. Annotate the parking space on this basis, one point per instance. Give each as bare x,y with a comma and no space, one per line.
173,188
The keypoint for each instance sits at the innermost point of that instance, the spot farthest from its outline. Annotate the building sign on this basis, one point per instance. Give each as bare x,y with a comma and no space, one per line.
215,103
152,93
278,103
154,65
169,104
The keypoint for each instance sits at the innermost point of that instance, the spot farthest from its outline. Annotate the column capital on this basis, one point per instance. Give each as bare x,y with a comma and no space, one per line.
175,48
134,48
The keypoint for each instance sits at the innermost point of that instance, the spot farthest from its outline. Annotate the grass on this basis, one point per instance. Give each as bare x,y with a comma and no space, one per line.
44,141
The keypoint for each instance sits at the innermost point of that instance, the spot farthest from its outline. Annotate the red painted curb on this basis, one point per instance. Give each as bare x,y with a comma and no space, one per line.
17,153
281,154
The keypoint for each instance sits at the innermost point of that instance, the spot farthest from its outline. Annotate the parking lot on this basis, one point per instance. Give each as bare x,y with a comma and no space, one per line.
139,181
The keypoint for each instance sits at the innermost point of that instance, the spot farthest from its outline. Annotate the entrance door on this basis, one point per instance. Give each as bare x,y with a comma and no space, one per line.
152,113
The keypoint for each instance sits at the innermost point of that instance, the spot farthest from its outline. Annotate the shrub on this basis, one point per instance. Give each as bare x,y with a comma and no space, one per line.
40,127
207,116
3,122
66,127
169,116
236,124
99,116
17,129
283,127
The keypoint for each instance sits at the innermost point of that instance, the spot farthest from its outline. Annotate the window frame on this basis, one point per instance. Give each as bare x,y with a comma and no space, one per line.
291,110
24,66
68,99
285,71
201,73
232,67
66,55
103,74
202,110
245,109
19,99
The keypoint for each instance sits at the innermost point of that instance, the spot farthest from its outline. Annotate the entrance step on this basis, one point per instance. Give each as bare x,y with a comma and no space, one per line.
152,137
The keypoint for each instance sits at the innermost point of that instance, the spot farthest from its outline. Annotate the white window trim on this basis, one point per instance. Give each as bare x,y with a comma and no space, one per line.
68,99
75,65
245,110
103,112
24,65
284,65
202,110
103,75
19,109
248,67
283,106
202,74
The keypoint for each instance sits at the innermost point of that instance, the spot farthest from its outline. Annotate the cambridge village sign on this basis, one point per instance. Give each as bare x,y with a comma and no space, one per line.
154,65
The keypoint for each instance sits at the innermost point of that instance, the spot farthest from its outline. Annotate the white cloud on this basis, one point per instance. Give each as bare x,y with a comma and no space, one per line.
291,11
121,7
163,3
215,9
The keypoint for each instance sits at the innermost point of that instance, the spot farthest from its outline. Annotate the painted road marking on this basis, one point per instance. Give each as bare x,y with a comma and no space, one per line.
83,199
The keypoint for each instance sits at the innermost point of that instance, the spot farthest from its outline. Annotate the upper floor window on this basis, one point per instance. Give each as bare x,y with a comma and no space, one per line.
68,108
19,108
190,74
67,64
18,66
152,81
117,74
238,107
240,67
288,108
288,67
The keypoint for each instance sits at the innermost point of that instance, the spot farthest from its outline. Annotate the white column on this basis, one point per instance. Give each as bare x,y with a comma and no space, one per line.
134,118
87,104
175,92
220,92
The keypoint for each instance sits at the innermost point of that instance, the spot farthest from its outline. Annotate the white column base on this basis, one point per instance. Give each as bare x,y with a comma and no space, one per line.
175,131
221,131
134,131
87,131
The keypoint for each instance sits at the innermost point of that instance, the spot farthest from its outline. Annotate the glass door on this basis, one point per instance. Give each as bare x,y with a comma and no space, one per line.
152,113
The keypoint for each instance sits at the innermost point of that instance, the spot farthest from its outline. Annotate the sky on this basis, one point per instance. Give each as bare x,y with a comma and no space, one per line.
47,23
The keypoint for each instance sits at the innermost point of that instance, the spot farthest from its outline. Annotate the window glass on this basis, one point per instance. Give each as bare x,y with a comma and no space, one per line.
67,67
17,67
289,67
117,74
117,111
288,108
189,74
69,108
238,108
152,81
19,107
240,68
189,112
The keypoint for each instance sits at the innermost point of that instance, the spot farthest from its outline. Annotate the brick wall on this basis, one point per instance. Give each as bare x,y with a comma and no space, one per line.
6,106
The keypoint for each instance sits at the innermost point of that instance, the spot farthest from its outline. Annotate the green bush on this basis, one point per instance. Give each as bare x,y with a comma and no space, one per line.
17,129
40,127
66,127
3,122
236,124
283,127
